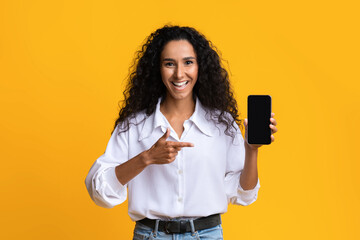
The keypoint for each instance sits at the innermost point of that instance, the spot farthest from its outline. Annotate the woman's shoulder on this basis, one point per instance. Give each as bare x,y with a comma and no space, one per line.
132,121
225,125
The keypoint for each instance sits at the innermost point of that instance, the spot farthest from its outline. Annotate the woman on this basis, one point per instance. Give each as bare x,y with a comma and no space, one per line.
176,146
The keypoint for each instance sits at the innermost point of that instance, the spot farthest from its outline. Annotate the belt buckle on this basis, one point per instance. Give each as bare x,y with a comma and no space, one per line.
183,225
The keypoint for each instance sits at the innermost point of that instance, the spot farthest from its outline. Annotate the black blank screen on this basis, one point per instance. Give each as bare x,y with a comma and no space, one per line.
259,113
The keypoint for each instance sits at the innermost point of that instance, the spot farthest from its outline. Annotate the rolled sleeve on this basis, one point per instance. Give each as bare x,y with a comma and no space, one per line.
236,194
105,190
235,164
101,182
246,197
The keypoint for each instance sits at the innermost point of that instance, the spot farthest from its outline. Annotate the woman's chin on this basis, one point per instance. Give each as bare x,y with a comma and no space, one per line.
179,96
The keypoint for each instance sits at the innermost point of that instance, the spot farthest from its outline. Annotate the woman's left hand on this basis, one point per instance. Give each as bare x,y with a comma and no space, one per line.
273,128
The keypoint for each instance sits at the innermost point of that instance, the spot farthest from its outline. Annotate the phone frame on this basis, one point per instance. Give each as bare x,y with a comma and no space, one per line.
249,121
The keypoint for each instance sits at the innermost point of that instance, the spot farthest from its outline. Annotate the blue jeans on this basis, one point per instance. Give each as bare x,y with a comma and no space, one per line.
142,232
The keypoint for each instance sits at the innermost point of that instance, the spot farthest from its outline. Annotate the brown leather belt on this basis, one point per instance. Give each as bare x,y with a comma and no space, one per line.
183,226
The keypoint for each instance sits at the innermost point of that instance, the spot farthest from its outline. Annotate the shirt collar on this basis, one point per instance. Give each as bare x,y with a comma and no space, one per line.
201,119
153,121
157,119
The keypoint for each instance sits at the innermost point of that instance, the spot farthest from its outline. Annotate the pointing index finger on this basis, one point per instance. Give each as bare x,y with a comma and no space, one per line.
181,144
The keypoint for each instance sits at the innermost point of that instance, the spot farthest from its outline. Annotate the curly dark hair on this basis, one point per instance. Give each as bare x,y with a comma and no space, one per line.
212,88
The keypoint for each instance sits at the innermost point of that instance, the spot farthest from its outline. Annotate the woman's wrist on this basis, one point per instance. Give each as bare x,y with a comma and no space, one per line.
251,148
251,153
145,158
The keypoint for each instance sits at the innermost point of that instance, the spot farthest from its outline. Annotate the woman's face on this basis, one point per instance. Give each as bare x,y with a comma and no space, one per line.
179,69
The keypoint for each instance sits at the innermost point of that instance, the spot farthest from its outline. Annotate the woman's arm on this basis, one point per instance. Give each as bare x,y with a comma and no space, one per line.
249,175
130,169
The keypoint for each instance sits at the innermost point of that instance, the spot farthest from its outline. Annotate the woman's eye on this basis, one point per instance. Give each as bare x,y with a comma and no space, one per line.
188,62
169,64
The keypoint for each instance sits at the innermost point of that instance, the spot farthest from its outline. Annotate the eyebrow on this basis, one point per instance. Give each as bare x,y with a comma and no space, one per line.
185,58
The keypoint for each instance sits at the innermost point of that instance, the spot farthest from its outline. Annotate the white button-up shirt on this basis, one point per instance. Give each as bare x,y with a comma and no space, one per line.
201,181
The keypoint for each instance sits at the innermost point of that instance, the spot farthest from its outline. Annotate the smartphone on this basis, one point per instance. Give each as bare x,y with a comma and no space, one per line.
259,114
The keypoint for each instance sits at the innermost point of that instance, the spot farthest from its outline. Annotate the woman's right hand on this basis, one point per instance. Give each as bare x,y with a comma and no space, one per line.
164,152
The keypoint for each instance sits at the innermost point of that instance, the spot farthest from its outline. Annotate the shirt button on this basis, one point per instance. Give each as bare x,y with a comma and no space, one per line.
180,172
180,199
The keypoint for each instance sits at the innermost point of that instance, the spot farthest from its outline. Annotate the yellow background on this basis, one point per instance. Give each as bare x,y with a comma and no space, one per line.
62,71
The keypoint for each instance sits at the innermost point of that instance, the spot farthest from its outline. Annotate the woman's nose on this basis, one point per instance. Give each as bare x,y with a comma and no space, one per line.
179,72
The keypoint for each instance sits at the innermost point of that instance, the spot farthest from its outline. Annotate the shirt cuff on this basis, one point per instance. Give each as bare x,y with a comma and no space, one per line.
112,180
248,196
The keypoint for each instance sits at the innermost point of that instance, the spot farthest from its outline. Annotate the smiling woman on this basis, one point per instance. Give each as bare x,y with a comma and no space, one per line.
176,146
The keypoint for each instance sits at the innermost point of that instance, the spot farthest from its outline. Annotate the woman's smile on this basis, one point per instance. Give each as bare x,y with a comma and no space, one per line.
180,85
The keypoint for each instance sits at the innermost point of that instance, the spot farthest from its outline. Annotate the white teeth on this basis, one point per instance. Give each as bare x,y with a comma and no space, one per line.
180,84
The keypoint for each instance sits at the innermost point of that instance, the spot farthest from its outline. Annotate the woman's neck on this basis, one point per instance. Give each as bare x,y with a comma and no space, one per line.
182,108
